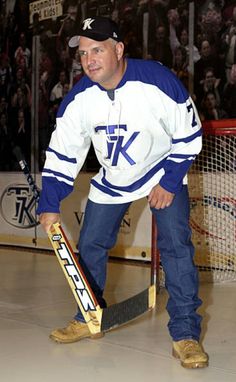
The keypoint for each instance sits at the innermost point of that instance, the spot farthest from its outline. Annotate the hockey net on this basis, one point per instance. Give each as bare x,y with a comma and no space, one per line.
212,188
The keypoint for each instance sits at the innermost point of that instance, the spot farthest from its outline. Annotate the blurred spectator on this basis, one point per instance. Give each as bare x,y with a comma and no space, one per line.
57,90
5,75
129,24
3,105
133,48
46,70
36,27
21,99
26,70
211,23
227,11
68,26
2,28
22,132
65,90
210,109
5,143
182,38
184,41
21,11
22,51
180,65
209,83
229,93
183,10
19,80
207,60
11,36
161,50
229,40
64,60
45,62
76,69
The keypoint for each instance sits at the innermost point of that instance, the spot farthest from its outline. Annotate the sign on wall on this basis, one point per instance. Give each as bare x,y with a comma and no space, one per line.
46,9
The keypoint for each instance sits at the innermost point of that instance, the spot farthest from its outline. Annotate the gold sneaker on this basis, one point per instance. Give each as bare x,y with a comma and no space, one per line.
190,353
74,332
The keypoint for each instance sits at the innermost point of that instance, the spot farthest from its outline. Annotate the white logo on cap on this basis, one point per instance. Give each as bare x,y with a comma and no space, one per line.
87,23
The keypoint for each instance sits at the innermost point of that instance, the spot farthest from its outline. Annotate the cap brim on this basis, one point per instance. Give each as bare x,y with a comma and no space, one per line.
74,41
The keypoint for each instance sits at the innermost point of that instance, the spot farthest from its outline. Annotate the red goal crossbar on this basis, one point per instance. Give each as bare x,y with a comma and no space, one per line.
223,126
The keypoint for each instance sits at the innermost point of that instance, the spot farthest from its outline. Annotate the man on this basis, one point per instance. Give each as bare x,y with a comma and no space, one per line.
208,60
146,133
57,90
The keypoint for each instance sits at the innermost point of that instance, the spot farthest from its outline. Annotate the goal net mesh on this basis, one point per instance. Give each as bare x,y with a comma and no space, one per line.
212,188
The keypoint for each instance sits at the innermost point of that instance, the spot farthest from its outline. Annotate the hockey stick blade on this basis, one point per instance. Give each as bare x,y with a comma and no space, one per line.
98,319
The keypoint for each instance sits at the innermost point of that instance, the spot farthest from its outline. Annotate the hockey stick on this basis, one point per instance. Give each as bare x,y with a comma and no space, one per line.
24,167
98,319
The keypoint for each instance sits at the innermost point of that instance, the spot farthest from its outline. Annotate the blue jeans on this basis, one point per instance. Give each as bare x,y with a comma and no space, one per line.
99,234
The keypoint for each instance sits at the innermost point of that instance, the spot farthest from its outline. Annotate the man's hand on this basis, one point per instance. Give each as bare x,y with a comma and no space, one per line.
160,198
47,219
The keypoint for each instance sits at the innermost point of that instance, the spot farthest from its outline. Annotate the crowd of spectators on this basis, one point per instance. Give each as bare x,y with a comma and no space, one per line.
213,76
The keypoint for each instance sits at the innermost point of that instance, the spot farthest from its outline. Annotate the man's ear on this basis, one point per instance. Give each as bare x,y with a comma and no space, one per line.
120,50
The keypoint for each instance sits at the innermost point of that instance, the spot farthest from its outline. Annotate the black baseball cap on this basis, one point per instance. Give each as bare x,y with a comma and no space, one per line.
97,28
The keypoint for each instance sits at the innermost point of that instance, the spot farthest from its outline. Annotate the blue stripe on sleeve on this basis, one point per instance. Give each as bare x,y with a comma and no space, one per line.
182,156
56,174
188,139
61,157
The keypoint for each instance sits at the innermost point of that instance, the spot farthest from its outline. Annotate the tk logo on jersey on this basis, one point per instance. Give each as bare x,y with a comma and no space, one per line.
116,144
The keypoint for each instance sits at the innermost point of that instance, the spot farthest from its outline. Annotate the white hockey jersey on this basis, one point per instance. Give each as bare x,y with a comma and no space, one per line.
149,134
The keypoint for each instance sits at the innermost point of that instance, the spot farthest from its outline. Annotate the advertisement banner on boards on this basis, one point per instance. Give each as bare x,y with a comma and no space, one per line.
19,224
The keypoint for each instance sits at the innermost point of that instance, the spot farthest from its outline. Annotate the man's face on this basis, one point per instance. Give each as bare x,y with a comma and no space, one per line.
205,49
178,56
184,37
210,101
3,120
101,60
62,77
160,34
234,14
210,78
20,116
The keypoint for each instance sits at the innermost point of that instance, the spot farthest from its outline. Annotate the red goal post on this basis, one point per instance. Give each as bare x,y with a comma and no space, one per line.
212,189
